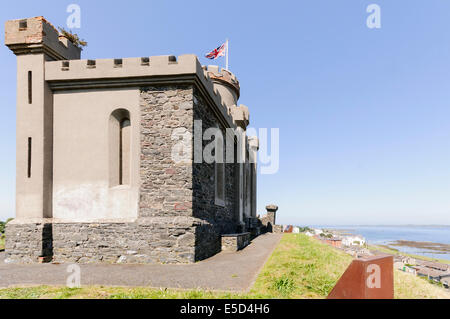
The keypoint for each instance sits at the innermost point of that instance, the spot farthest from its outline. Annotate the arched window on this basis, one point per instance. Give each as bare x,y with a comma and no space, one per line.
119,148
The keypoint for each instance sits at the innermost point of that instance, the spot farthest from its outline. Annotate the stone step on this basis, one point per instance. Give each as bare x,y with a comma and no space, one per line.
235,242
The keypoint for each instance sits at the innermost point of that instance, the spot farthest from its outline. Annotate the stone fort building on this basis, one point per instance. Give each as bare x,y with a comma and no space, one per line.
96,181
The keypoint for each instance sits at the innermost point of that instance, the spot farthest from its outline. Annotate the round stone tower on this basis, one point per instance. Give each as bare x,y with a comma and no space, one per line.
226,84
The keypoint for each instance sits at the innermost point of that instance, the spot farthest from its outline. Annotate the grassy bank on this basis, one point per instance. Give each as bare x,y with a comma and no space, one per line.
300,267
408,286
2,233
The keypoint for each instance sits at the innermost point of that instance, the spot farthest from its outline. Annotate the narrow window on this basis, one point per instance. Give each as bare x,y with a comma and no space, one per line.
247,185
30,87
29,158
219,170
119,148
220,184
124,151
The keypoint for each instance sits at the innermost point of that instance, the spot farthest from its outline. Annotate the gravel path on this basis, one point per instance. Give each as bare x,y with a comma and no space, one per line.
230,271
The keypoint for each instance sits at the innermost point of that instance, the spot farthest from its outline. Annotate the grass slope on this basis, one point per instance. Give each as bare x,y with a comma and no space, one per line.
300,267
408,286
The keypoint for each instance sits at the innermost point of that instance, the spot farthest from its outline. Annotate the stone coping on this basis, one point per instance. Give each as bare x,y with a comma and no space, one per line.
169,221
235,235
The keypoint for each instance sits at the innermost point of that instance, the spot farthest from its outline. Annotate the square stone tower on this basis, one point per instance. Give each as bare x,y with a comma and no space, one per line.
98,178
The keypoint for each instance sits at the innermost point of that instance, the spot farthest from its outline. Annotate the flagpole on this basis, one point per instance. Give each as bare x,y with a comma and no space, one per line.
226,58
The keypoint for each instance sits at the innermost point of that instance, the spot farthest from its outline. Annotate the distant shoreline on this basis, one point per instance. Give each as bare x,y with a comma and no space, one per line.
440,248
420,243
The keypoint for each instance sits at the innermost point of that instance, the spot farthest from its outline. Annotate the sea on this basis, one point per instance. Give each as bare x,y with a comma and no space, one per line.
386,235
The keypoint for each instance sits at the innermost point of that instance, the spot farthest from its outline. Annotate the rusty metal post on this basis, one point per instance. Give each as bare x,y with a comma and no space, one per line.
368,278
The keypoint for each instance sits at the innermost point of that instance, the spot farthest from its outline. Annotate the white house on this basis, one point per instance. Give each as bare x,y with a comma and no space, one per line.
317,231
353,241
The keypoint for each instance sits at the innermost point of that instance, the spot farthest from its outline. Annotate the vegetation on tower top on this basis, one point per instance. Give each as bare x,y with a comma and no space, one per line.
73,37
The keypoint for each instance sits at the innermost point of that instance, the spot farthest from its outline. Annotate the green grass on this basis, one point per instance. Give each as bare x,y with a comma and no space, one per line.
408,286
2,242
300,267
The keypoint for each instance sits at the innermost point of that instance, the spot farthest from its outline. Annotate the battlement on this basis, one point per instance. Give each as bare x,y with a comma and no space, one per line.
223,76
121,67
70,74
241,115
64,70
253,142
37,35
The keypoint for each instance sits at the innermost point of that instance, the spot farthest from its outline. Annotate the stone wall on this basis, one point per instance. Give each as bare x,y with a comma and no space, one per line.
234,242
25,243
267,222
166,187
277,229
138,242
178,219
171,189
224,218
216,219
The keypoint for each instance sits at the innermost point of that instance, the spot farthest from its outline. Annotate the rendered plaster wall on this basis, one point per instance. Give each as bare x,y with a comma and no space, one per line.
82,188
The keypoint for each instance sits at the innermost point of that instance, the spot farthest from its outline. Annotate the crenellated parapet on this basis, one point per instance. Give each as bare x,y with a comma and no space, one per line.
123,72
75,70
37,35
228,87
226,82
253,143
241,115
65,70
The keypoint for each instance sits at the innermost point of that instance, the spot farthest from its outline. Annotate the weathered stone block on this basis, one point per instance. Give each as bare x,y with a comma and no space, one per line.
235,242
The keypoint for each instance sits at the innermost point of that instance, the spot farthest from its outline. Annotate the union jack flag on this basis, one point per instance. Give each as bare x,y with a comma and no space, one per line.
214,54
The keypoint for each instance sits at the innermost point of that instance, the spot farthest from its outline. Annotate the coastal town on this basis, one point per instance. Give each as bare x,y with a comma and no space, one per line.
358,247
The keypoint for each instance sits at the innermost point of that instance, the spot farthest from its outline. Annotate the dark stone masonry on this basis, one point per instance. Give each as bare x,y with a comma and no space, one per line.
235,242
124,243
25,243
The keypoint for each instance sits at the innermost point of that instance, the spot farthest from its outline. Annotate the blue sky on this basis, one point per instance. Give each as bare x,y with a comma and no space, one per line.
363,113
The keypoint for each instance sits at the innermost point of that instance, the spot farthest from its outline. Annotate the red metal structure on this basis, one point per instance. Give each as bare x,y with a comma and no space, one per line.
369,278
